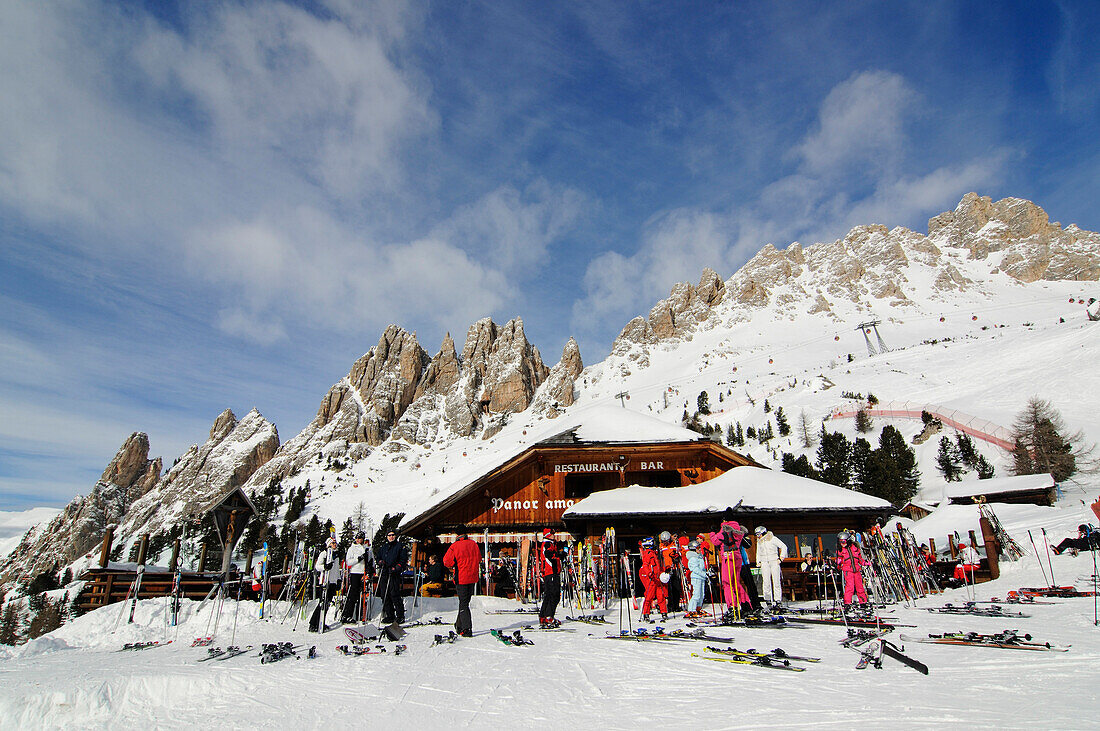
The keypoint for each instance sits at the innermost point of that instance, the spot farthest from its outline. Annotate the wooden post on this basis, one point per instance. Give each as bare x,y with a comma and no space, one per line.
105,551
932,546
248,564
991,548
143,546
175,556
105,598
202,558
953,547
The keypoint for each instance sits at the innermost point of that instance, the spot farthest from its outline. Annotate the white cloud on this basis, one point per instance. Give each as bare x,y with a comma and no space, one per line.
855,167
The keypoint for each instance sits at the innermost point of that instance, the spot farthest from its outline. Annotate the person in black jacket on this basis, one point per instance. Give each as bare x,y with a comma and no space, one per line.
393,558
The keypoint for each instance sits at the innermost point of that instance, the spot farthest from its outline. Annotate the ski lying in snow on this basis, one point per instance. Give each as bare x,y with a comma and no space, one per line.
971,640
762,662
511,611
641,635
892,650
233,651
449,638
202,641
356,650
424,623
515,639
860,637
776,621
1062,592
859,623
588,619
777,654
547,629
278,651
211,653
872,655
970,609
702,635
143,645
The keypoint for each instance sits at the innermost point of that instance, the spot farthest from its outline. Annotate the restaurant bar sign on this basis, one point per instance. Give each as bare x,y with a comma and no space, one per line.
603,467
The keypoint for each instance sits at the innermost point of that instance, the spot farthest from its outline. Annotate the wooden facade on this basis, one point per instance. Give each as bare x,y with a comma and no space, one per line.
532,490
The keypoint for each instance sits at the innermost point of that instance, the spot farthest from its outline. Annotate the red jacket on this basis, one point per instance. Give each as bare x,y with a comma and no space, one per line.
551,561
464,557
651,565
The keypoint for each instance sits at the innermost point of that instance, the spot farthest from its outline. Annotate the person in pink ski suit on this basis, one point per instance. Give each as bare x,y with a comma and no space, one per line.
727,541
851,562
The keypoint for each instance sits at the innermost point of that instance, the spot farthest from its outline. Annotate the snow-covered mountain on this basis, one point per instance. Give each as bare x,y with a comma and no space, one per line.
978,315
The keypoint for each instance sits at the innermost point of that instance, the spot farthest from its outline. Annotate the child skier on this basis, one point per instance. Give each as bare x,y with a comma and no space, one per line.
851,562
697,572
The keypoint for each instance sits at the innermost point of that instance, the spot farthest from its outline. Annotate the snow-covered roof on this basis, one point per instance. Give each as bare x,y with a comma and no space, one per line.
600,424
999,485
749,488
612,424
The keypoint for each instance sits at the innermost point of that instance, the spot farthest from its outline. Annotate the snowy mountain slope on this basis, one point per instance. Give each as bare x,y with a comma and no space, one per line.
973,316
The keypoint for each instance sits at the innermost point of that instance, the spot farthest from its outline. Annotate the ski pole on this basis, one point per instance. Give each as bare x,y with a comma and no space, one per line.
1047,545
1041,567
236,611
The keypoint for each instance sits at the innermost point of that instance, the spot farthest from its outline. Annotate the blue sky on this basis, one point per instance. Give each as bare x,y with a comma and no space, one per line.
223,204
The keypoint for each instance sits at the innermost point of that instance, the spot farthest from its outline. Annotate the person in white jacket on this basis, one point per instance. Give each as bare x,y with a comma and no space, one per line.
770,552
329,572
359,562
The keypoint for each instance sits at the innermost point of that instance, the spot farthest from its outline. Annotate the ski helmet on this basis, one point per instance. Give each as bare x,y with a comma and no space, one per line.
693,545
664,577
647,543
665,536
760,530
843,535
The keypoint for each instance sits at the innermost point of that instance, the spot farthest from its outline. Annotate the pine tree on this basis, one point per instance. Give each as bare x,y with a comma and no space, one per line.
946,461
964,448
862,468
897,464
804,431
731,436
47,619
863,421
985,470
703,403
10,622
798,466
740,435
1039,429
347,534
751,432
767,407
781,422
833,453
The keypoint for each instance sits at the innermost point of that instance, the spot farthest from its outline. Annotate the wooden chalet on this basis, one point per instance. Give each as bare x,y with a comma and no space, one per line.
600,449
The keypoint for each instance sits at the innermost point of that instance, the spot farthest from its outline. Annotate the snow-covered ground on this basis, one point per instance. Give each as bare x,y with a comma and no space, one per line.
76,677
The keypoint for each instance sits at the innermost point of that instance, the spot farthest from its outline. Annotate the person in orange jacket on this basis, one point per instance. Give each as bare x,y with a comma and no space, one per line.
655,581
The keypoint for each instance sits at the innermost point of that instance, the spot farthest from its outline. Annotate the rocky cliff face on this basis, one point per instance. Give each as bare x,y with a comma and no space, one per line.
133,495
873,264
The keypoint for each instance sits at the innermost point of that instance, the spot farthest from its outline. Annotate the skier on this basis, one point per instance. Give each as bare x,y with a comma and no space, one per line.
672,563
728,542
550,571
968,563
654,580
851,562
360,566
1087,538
697,569
392,557
464,556
327,566
770,552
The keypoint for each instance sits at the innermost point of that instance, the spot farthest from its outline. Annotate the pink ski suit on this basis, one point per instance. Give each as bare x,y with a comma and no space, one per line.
851,562
727,541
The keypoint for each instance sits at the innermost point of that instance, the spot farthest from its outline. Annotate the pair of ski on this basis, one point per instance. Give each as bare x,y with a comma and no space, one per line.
424,623
217,653
143,645
777,654
202,642
589,619
449,638
749,621
761,661
1007,640
858,623
1061,592
357,650
642,635
972,609
880,647
516,639
278,651
860,637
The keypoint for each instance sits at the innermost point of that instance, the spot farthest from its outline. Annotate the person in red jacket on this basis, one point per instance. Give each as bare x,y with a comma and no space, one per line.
464,557
654,579
550,570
